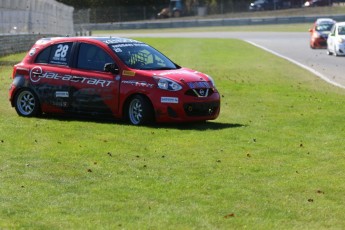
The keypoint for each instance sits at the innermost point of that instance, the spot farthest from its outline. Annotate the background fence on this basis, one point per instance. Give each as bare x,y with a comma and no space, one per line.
35,17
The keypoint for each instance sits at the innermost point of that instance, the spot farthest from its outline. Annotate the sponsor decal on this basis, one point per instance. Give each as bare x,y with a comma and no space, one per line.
138,83
172,100
128,73
137,44
119,40
36,74
60,54
61,94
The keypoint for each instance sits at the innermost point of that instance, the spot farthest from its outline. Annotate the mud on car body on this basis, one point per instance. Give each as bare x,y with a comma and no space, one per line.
103,76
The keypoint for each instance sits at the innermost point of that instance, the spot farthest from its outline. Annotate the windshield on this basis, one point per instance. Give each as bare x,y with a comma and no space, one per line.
142,56
324,27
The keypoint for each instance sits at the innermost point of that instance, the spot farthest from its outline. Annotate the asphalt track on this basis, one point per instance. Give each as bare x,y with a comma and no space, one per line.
293,47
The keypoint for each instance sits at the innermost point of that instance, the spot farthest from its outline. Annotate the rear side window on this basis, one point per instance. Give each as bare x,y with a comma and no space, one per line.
92,57
58,54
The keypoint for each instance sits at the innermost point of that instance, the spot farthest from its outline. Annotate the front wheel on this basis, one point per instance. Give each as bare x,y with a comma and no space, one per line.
26,103
139,110
335,52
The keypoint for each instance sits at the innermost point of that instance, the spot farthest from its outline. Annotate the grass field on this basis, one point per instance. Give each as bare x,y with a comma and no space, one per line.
274,159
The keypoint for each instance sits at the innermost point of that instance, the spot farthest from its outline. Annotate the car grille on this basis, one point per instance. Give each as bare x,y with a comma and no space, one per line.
203,92
201,108
323,43
199,89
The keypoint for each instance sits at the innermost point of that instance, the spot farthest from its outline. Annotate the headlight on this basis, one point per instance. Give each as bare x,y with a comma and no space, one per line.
212,81
167,84
316,35
340,40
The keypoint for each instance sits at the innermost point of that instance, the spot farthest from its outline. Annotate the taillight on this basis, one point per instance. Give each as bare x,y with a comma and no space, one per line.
20,71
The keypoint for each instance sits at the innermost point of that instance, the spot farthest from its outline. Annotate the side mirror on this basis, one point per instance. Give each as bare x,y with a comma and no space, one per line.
111,68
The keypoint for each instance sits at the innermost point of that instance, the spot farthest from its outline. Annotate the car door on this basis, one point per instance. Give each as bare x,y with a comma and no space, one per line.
94,90
48,76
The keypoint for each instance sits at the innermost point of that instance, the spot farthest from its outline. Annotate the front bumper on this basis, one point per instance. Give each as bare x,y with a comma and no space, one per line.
340,49
186,108
318,42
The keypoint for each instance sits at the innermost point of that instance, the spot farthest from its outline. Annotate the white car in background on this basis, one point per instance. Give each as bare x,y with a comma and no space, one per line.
336,40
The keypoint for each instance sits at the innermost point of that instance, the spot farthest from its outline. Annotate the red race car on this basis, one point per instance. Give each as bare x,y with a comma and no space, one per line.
319,32
104,76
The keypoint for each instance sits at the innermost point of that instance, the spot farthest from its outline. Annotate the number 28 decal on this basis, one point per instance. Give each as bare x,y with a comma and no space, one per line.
61,51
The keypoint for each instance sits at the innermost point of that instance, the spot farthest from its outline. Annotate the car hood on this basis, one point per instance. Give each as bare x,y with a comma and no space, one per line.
324,32
183,75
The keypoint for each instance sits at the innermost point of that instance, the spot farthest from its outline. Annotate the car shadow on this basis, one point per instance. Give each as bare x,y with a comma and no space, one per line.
199,126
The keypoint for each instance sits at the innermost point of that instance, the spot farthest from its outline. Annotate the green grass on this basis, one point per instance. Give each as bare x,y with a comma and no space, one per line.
272,160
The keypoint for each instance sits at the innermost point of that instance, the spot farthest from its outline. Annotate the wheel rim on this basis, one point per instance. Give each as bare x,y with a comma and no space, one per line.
135,111
26,103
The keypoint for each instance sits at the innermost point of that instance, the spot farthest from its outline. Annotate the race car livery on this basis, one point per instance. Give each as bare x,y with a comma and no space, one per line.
105,76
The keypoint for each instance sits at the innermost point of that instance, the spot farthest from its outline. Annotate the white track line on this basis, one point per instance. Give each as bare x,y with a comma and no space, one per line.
320,75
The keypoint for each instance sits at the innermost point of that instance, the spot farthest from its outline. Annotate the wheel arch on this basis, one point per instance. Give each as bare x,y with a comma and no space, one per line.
20,89
38,110
19,84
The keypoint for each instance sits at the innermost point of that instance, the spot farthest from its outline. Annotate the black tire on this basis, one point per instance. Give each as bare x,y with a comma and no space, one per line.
139,110
26,103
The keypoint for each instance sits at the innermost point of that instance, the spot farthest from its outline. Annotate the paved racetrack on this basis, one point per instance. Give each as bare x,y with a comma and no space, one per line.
291,46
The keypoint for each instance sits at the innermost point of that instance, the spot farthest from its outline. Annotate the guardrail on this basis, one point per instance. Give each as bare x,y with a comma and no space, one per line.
184,23
18,43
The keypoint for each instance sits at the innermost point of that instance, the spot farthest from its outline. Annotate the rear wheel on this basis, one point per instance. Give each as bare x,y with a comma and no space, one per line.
139,110
26,103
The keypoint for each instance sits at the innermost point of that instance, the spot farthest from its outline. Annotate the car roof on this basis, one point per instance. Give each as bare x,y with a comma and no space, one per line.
107,40
340,23
324,20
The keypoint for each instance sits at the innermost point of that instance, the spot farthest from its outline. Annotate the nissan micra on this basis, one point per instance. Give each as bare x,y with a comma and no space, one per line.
107,76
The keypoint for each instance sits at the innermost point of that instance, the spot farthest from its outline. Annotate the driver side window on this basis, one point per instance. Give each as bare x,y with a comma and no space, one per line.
92,57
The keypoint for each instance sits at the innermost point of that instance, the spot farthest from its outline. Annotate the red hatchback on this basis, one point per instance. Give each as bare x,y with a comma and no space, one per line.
104,76
319,32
